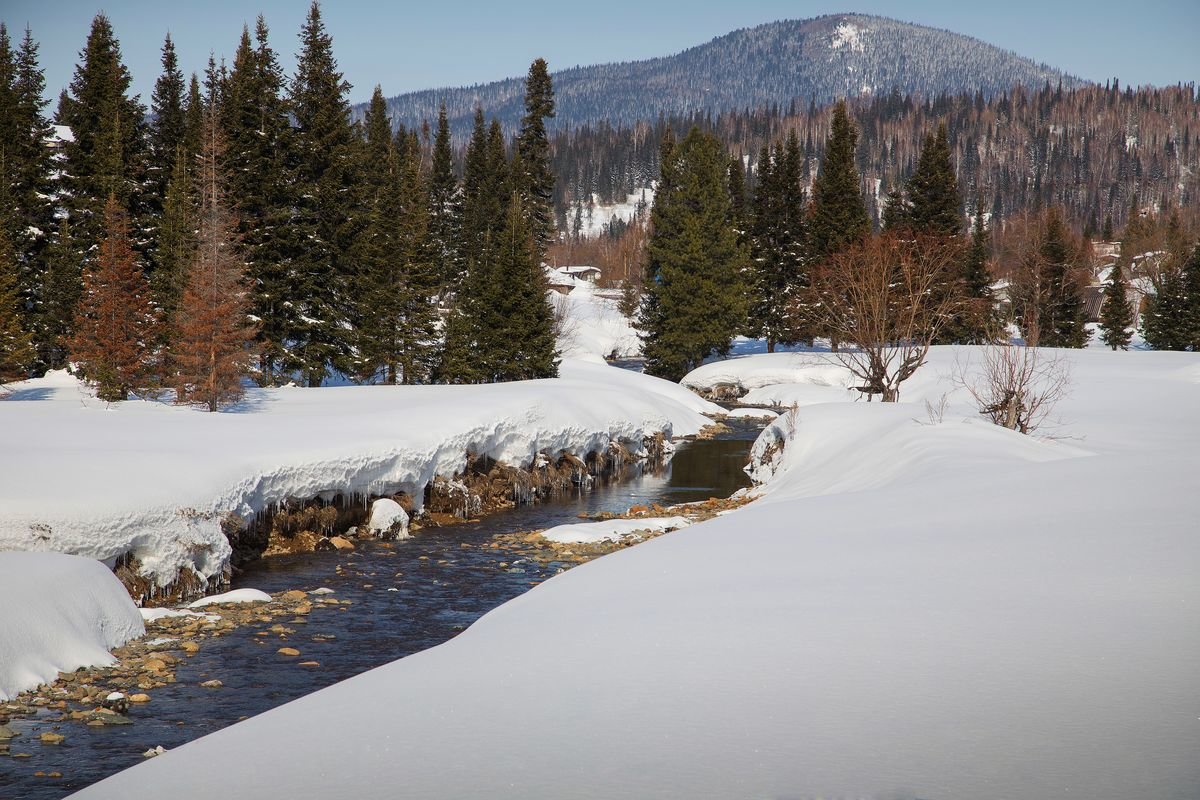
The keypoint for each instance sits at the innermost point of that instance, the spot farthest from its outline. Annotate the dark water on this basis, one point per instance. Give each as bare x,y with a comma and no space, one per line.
404,601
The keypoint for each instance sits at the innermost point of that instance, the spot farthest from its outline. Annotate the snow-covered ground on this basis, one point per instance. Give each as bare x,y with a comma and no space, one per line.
153,480
58,613
610,530
592,326
602,214
912,609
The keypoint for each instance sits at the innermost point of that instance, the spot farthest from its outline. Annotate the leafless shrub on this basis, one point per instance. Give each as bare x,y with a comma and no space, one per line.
565,326
1018,386
936,412
887,298
791,419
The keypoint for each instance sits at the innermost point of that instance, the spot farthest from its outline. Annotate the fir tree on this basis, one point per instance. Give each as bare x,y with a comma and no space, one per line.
114,322
444,211
1172,317
839,216
168,122
211,347
1116,318
398,331
524,325
193,118
325,175
696,301
1107,232
62,285
176,239
778,246
536,182
1060,317
16,345
106,154
260,170
979,323
934,206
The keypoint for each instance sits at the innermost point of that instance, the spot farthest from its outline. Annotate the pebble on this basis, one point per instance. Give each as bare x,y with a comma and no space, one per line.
139,698
309,664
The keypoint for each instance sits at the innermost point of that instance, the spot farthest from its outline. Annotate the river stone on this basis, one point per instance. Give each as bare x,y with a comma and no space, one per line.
52,738
190,647
341,543
139,698
8,733
293,596
288,651
213,684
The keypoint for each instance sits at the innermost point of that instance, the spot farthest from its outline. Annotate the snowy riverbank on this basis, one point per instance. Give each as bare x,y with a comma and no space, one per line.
154,482
911,610
58,613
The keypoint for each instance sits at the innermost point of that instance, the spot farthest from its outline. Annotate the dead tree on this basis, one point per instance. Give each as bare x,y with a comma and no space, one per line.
886,298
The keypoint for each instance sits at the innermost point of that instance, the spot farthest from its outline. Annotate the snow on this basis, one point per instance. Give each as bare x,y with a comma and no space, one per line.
769,369
752,413
848,35
909,610
236,596
593,327
155,481
155,614
58,613
611,530
386,513
592,222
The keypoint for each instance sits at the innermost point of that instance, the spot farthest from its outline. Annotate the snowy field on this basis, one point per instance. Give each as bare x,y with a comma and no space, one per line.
913,609
58,613
593,327
154,480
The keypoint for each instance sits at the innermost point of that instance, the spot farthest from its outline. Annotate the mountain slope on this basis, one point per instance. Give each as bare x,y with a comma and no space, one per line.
819,59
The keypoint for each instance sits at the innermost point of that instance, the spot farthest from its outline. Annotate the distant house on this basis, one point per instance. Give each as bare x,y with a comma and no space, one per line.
564,279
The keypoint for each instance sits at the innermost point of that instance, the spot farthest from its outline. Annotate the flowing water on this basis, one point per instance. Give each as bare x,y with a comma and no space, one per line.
406,597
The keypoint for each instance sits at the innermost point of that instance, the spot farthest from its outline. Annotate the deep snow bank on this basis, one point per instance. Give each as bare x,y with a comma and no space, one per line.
155,481
820,372
58,613
973,615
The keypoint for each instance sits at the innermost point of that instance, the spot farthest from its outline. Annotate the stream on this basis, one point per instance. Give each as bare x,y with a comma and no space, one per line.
407,596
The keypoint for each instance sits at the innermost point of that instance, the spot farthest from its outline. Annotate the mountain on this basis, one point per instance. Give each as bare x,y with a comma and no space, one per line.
779,63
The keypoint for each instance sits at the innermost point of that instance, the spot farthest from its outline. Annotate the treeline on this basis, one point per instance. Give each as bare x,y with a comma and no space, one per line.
1088,150
247,213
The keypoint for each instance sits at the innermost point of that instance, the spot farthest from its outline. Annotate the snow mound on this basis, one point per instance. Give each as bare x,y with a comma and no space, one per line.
746,373
58,613
387,514
155,481
610,530
751,413
592,326
236,596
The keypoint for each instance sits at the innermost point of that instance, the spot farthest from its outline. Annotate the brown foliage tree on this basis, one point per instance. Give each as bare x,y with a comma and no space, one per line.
114,321
212,333
885,298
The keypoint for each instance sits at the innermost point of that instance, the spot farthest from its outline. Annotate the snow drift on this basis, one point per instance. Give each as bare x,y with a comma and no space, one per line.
58,613
155,481
911,610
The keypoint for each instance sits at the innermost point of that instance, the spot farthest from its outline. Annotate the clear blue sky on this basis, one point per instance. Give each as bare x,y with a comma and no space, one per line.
417,45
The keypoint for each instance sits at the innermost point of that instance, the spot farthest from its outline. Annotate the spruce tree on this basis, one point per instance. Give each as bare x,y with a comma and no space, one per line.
696,300
524,320
193,118
114,329
16,346
398,330
176,239
322,275
1191,282
778,246
1060,316
839,216
62,285
934,206
536,181
211,345
1165,321
106,153
1116,317
979,323
168,122
445,210
1107,232
260,170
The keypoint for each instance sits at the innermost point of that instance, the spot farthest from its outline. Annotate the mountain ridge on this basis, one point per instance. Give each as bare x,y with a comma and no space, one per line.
810,60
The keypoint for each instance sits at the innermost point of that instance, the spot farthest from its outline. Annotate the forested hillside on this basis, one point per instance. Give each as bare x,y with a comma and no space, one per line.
821,59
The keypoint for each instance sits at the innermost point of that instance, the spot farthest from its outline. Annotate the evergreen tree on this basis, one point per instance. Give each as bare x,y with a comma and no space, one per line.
1107,232
176,239
211,347
1172,317
398,328
897,211
980,322
536,182
524,324
445,211
738,207
839,216
168,121
1116,318
778,246
16,346
62,285
696,301
1060,318
193,118
934,205
114,322
260,170
326,174
106,153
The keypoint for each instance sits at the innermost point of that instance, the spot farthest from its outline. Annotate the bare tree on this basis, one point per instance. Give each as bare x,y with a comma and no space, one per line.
887,298
1018,386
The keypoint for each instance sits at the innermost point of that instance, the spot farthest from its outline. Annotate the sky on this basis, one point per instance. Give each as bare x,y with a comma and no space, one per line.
405,46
